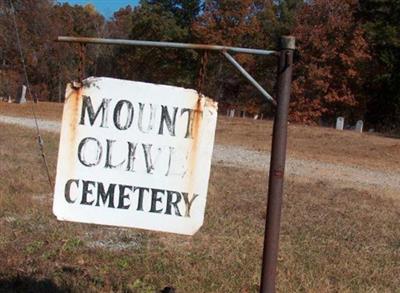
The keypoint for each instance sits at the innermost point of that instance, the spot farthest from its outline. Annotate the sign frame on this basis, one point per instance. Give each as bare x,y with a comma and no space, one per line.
279,134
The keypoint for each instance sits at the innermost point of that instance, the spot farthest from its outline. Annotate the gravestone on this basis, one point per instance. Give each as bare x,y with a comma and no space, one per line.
22,98
232,113
256,117
9,100
340,123
359,126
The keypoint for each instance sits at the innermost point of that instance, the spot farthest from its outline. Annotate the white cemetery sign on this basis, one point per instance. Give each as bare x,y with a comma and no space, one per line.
135,154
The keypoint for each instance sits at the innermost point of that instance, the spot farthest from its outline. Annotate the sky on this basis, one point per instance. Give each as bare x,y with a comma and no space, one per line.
105,7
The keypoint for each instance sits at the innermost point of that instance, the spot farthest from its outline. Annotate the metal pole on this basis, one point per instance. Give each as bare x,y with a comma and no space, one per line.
224,49
249,77
163,45
277,167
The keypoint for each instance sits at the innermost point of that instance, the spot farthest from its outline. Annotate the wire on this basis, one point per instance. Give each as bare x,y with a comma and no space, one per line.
39,137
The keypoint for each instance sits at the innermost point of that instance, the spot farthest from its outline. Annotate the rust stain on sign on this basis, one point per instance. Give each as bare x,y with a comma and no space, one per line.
134,154
202,104
70,120
74,100
197,119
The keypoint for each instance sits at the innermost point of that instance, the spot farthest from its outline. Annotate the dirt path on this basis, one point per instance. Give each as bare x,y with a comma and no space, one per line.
52,126
356,176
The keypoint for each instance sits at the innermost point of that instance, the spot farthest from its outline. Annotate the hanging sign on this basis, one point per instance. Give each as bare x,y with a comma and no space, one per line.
135,154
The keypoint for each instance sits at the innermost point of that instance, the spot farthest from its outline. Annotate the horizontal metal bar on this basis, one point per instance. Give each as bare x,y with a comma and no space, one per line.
163,44
249,77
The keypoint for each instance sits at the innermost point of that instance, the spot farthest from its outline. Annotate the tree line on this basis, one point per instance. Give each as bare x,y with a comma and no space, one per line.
347,63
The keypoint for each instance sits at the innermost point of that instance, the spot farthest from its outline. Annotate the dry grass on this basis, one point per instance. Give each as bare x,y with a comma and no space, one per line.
316,143
43,110
333,239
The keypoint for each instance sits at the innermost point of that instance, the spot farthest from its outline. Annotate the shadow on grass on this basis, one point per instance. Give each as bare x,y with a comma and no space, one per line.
24,284
29,285
392,135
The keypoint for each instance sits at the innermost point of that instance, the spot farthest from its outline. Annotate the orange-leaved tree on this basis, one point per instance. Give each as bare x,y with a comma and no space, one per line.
230,23
328,78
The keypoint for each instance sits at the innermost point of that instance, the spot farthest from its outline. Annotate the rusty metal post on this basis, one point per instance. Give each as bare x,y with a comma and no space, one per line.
277,167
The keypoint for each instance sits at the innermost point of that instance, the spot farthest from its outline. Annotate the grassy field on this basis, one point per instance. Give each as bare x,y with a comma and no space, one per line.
43,110
333,239
373,151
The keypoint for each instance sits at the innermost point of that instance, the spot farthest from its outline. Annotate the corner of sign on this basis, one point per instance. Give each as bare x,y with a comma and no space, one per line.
208,102
73,89
195,229
56,212
76,85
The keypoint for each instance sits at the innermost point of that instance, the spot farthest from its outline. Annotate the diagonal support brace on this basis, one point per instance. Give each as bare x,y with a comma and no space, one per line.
250,78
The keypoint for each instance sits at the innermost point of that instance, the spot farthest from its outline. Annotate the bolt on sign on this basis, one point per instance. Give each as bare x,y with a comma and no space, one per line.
135,154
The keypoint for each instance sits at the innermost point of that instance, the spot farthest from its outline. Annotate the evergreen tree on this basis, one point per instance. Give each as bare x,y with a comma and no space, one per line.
382,23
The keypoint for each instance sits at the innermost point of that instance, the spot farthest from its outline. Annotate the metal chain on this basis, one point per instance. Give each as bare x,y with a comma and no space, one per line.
202,72
81,67
33,99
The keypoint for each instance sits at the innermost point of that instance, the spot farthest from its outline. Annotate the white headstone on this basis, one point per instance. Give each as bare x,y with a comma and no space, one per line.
359,126
135,154
256,117
232,114
22,98
340,123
